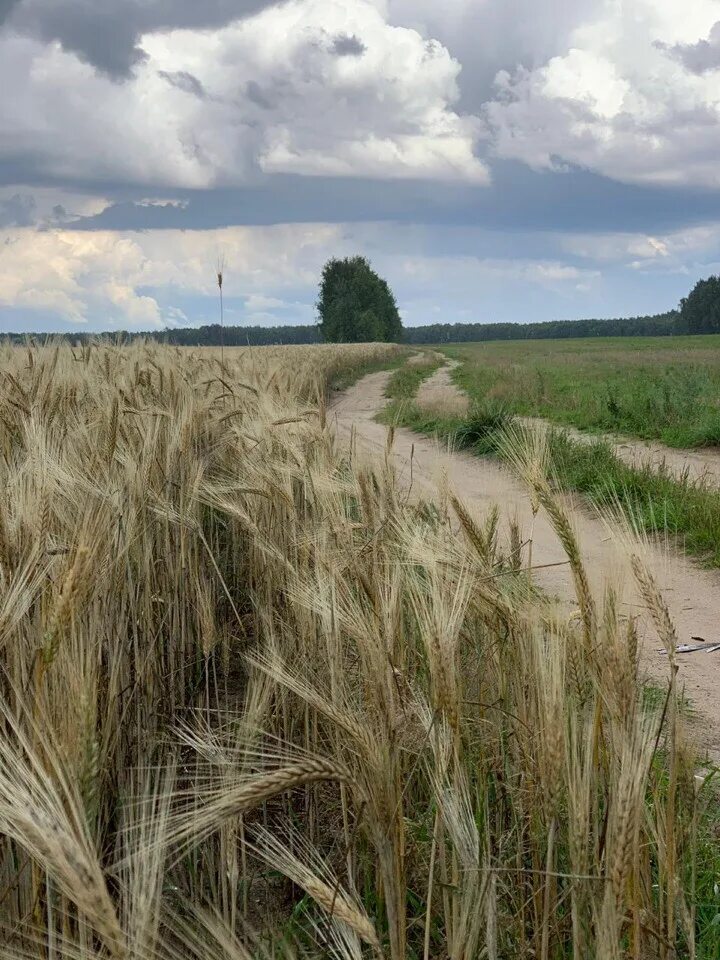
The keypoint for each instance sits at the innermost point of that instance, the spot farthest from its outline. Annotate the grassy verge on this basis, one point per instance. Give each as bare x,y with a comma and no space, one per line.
659,502
405,382
654,390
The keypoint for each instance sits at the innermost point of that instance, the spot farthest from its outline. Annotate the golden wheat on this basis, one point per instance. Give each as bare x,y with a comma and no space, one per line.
232,649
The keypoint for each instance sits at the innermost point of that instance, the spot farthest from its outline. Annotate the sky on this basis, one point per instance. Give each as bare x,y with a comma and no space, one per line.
496,160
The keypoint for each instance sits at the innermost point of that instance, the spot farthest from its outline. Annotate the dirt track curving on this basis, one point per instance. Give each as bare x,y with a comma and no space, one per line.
693,595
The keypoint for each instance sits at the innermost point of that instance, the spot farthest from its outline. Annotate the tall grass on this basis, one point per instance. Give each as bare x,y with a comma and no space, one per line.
654,387
256,704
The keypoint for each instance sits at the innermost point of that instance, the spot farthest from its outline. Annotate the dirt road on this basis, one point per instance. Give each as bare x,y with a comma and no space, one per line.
693,595
441,394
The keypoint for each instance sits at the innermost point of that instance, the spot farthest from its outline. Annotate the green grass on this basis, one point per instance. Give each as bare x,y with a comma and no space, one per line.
658,502
707,883
405,382
662,388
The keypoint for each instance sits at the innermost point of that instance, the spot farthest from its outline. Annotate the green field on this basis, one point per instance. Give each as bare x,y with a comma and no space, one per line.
664,388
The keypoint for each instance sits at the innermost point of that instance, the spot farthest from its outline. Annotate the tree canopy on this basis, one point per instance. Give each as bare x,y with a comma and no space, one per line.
700,310
355,304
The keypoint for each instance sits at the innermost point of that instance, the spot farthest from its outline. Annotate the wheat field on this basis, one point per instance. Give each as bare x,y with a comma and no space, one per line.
258,702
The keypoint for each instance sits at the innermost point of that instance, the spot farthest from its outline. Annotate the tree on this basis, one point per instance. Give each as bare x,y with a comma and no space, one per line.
355,304
700,310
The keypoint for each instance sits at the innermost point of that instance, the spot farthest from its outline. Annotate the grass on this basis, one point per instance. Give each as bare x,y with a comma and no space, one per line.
659,501
406,380
255,704
662,504
658,388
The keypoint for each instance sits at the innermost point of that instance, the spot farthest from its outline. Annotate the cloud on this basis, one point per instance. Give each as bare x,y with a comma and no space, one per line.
184,81
163,203
257,302
107,33
71,275
690,251
617,247
490,35
619,101
268,93
551,273
699,57
6,8
45,207
345,45
19,210
136,280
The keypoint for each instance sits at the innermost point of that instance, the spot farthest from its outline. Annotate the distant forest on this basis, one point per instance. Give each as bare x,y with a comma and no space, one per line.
660,325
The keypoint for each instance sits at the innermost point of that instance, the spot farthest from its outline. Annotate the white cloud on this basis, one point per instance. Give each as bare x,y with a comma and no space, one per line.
117,278
161,202
271,91
489,35
257,302
551,273
615,247
72,274
691,250
618,101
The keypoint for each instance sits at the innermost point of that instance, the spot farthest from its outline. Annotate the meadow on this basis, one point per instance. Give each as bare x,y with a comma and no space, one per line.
664,388
257,702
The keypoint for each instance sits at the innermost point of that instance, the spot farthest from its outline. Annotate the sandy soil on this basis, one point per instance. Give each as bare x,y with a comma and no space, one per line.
693,595
440,393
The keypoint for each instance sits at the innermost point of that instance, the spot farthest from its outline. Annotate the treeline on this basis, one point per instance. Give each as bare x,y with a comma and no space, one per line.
661,325
212,335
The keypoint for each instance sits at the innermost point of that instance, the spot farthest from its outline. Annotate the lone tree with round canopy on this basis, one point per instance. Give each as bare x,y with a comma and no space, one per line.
700,310
355,304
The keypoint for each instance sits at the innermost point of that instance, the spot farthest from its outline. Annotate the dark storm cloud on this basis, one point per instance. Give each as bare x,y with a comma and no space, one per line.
18,210
697,57
105,32
348,46
184,81
521,200
5,7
